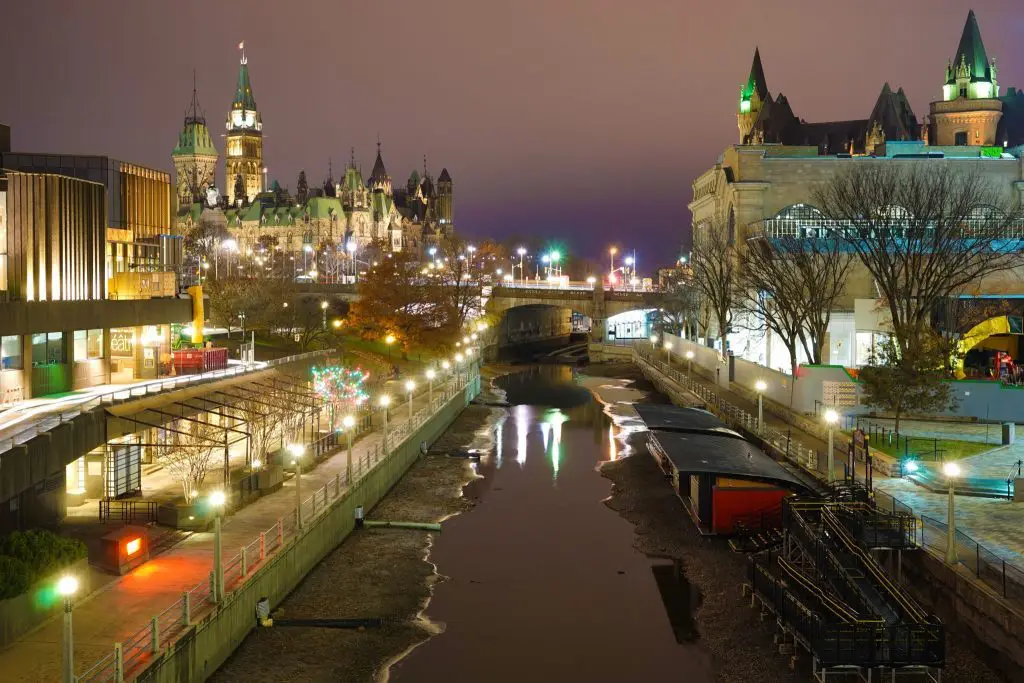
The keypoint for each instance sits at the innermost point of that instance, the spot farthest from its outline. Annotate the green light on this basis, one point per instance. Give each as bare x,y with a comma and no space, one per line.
744,106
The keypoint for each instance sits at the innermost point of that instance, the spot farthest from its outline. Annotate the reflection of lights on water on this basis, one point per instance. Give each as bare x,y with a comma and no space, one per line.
473,464
498,441
611,441
545,430
552,425
522,430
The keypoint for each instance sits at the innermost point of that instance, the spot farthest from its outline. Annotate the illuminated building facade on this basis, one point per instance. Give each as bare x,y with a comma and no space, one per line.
85,260
763,188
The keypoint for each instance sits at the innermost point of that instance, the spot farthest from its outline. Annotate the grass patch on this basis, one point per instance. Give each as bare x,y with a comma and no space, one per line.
924,448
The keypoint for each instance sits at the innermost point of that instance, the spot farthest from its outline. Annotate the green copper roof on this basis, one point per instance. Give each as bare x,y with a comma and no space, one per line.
243,93
324,207
756,81
973,51
194,138
353,179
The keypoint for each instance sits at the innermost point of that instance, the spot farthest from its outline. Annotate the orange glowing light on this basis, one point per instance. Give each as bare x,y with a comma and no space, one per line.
133,546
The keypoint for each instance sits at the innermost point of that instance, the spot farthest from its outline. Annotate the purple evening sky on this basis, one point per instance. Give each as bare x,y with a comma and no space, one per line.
581,121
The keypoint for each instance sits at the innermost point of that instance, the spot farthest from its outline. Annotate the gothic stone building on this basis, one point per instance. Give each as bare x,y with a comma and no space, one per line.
339,212
763,187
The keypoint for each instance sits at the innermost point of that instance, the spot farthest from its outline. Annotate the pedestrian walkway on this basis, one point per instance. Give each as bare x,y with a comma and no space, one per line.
996,524
120,609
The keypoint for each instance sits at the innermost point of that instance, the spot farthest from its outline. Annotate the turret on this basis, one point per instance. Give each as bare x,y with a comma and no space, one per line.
752,97
445,210
968,113
194,157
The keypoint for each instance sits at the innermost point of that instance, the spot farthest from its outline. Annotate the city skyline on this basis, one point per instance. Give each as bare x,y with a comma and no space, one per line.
600,150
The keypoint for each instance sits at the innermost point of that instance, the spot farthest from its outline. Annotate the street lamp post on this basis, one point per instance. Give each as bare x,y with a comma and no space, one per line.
348,422
385,401
389,340
217,500
67,586
689,362
611,259
409,387
668,351
761,386
458,363
952,471
323,308
831,418
297,450
430,385
522,273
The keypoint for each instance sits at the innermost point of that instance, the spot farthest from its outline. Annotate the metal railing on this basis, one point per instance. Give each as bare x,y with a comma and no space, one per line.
732,414
115,396
1003,576
130,656
128,510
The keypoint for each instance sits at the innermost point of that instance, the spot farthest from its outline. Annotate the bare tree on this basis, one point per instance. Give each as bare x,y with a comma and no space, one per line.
714,262
191,452
923,233
790,285
678,308
261,417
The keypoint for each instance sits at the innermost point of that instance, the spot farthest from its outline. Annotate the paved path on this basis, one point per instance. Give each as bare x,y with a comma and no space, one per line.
124,606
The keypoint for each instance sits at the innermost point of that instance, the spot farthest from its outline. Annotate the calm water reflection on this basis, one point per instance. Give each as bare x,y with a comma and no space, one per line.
545,584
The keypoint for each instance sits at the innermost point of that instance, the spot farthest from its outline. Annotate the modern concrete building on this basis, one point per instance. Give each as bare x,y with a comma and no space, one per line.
88,291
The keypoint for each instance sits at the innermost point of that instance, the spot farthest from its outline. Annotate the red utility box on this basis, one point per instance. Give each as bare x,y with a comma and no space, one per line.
125,549
195,361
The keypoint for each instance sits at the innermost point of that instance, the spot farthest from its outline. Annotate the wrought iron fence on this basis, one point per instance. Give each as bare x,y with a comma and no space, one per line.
130,656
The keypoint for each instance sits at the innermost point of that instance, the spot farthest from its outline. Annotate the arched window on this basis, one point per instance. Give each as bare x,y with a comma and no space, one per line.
731,227
801,212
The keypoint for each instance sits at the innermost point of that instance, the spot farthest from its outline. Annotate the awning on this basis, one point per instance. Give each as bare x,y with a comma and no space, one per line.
692,453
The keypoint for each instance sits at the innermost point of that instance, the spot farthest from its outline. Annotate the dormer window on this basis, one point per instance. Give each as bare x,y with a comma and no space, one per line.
963,91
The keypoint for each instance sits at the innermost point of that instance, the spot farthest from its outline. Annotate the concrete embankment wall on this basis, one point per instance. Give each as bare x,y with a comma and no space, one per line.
968,610
211,641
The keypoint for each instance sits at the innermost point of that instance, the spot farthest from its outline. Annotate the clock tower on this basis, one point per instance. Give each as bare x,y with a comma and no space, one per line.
243,155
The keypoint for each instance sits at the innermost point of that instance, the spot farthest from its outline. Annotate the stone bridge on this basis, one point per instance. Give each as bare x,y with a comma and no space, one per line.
595,302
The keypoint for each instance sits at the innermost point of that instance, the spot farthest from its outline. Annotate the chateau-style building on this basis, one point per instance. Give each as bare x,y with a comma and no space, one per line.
763,188
327,217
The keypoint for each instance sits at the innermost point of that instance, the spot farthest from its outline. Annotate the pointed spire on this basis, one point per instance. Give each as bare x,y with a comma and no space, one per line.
379,174
243,91
756,81
444,177
194,113
330,169
352,157
972,51
425,174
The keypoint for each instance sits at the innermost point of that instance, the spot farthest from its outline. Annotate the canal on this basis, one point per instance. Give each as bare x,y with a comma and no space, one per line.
542,578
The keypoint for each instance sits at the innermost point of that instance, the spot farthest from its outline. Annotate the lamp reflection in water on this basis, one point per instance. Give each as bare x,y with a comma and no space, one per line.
522,430
611,441
552,425
498,433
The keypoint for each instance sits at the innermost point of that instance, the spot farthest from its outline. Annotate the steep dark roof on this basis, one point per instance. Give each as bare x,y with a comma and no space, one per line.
379,173
973,51
444,177
892,110
756,81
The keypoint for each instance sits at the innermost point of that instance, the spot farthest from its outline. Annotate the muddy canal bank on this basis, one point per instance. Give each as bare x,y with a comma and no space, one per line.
380,572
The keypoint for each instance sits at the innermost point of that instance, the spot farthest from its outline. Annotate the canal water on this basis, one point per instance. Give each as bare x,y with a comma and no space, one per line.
542,580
